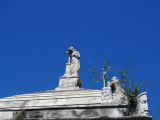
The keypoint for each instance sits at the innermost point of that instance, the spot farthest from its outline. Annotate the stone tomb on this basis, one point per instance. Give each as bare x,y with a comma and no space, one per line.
69,101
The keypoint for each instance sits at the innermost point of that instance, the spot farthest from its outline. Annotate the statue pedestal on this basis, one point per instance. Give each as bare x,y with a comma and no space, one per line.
68,83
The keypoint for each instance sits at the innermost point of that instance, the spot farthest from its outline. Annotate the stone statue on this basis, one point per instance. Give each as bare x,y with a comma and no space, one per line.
115,85
113,92
71,80
73,65
142,106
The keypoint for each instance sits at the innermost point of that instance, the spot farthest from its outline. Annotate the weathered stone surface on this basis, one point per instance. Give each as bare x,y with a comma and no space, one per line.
53,98
142,106
73,64
92,112
68,83
80,104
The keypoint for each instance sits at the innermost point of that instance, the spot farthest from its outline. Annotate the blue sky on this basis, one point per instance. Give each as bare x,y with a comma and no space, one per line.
34,36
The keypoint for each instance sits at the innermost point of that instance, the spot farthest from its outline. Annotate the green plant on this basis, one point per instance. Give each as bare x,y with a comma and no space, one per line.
80,83
106,73
131,90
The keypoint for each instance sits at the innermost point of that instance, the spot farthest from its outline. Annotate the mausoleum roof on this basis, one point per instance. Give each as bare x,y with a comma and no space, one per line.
53,99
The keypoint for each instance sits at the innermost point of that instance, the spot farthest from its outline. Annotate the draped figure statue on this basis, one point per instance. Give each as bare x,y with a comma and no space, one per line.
73,65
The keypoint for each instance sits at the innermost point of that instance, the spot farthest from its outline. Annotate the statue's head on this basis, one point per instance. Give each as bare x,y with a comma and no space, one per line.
142,106
114,78
115,85
70,50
